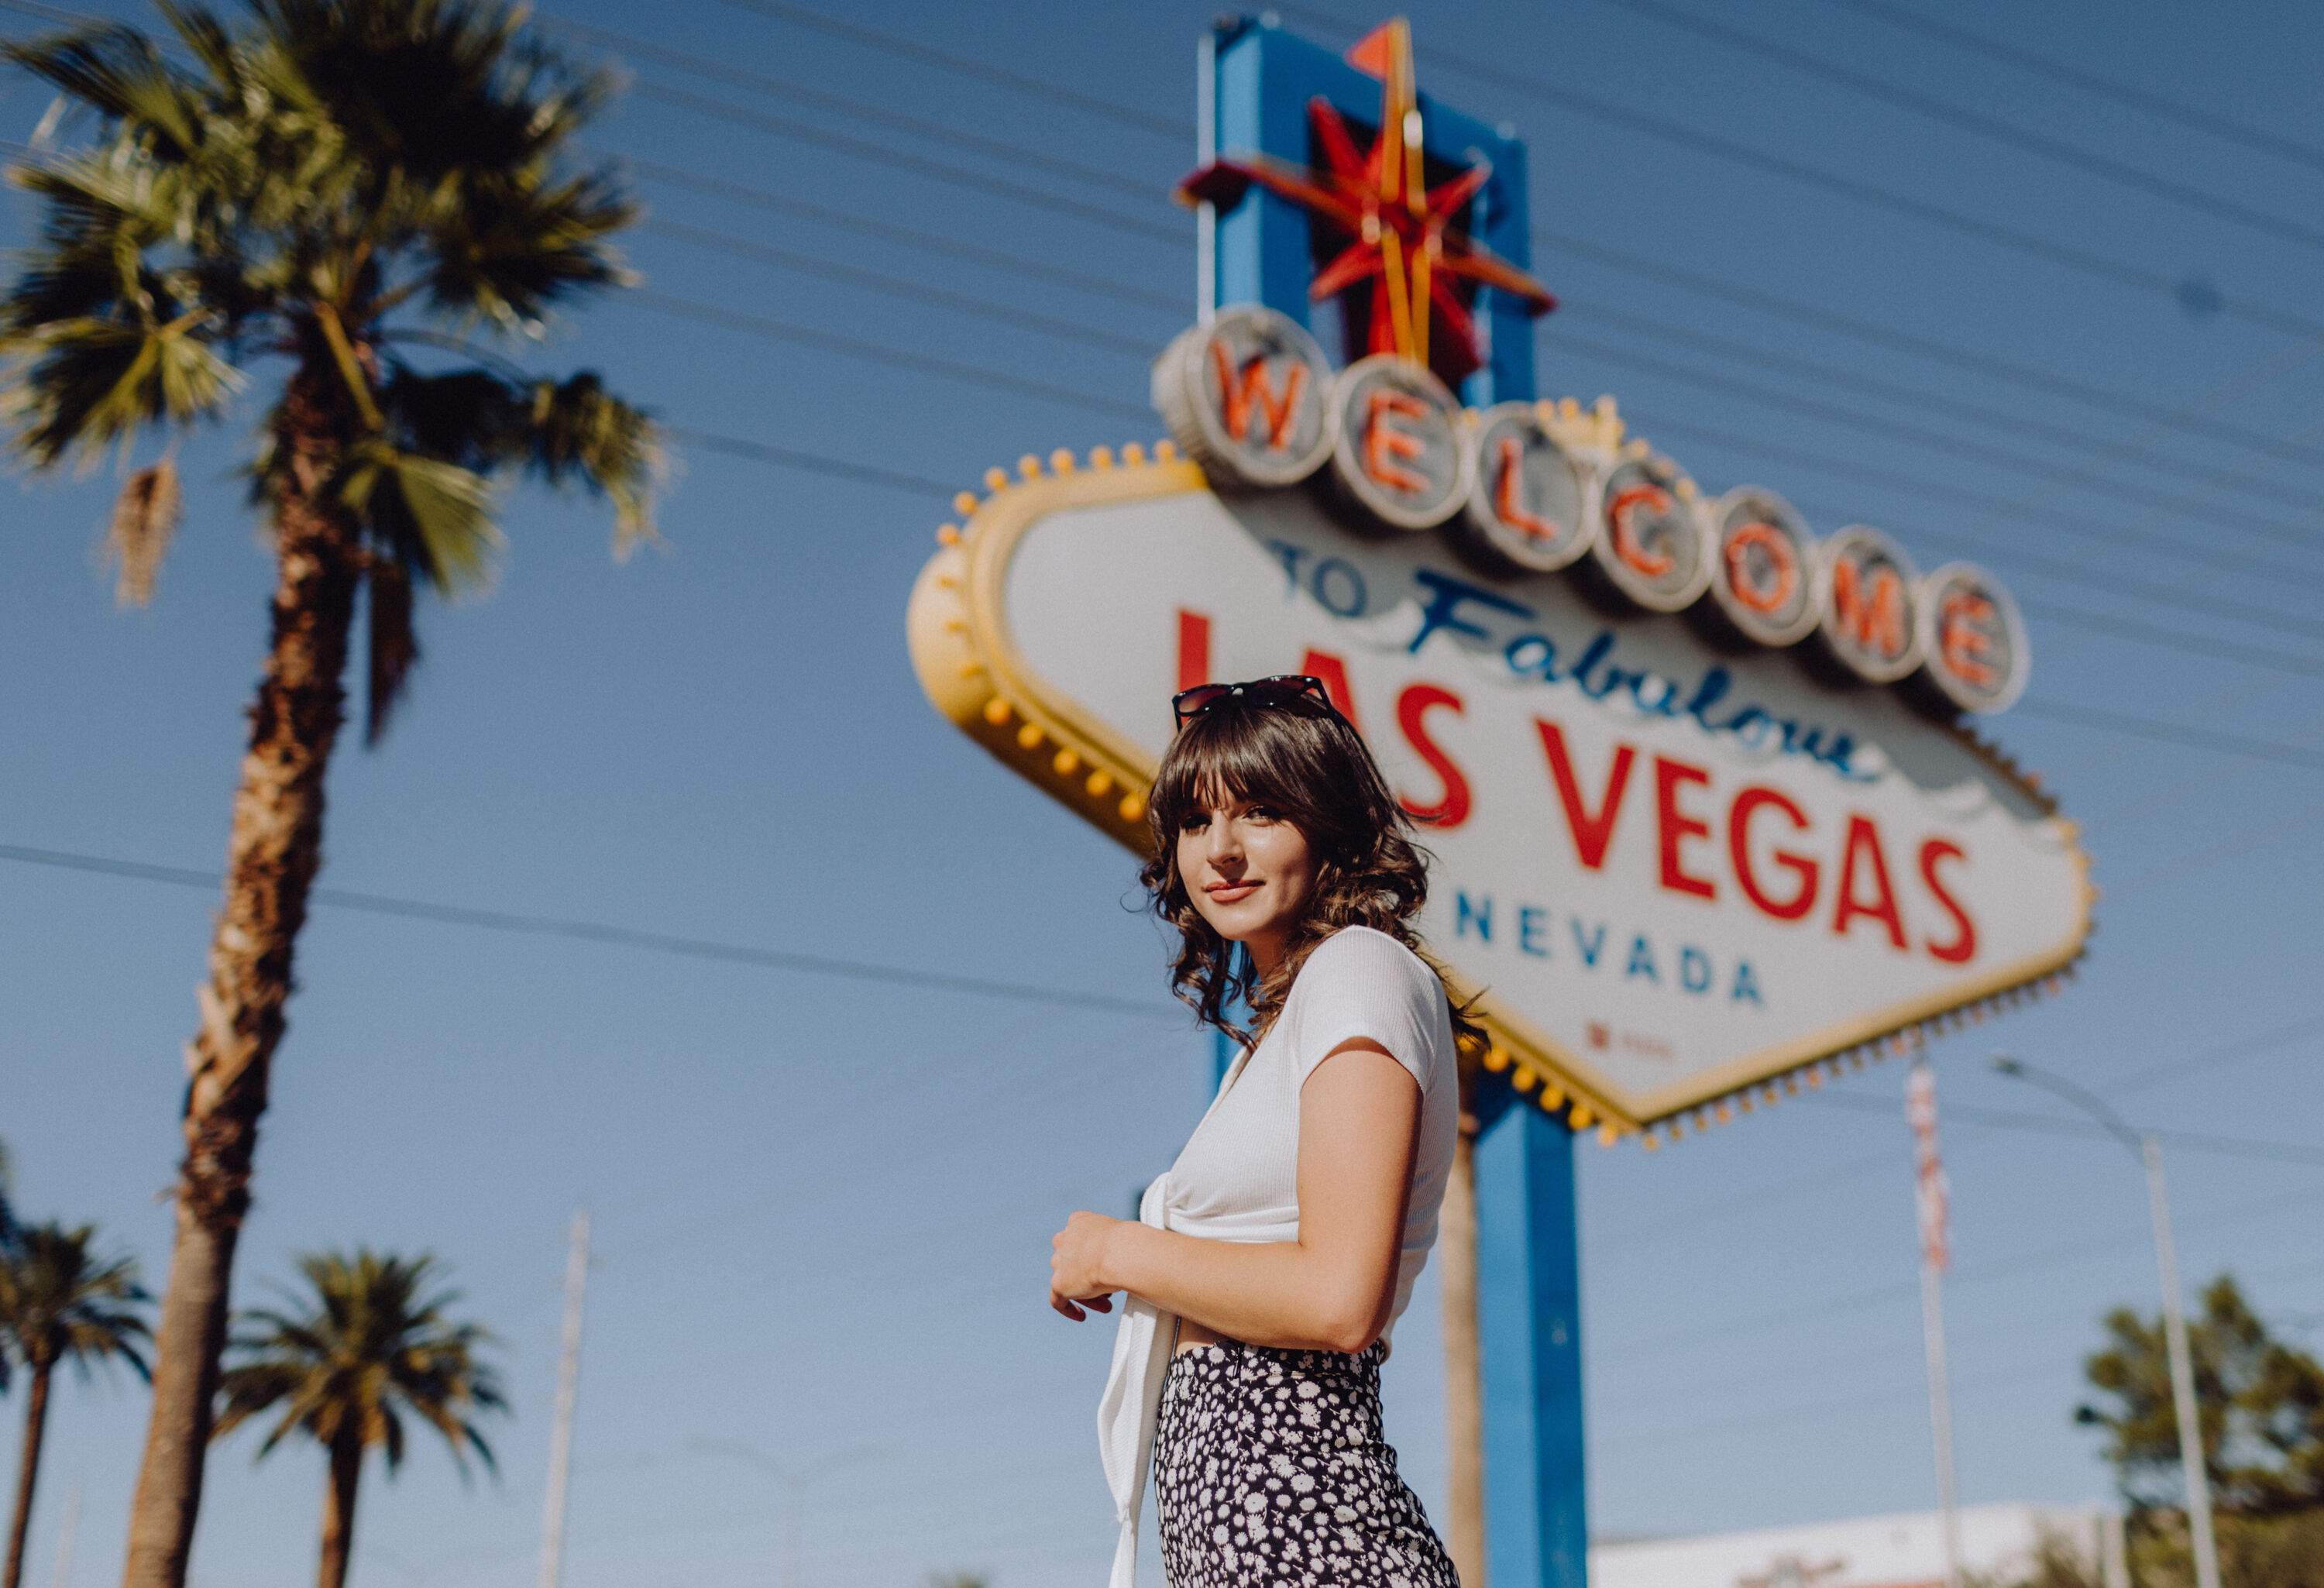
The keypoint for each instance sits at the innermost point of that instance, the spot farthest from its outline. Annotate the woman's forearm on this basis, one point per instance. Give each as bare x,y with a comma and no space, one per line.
1274,1293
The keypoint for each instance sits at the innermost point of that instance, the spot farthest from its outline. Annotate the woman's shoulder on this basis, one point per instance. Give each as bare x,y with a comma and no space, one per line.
1367,957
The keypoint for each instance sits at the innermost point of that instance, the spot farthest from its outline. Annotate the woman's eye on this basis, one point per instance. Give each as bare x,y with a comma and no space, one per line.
1263,813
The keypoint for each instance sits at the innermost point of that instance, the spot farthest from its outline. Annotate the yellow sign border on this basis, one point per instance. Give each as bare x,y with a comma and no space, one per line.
973,673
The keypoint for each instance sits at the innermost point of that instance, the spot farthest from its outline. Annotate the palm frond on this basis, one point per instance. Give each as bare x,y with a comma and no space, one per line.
60,1302
433,516
345,1365
116,70
580,432
507,252
86,383
394,648
144,517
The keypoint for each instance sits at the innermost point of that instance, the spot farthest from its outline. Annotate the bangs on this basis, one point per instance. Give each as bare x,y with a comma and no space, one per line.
1231,754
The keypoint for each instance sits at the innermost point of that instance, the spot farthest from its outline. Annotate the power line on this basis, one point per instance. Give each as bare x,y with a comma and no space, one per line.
1929,439
783,126
946,134
2304,757
1081,335
2105,167
2089,82
2229,478
909,236
759,325
2108,622
610,936
1935,440
2066,255
2097,578
792,457
2047,1124
965,66
1983,415
1873,332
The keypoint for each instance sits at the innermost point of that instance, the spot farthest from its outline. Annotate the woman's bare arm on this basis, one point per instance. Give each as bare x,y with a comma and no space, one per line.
1330,1289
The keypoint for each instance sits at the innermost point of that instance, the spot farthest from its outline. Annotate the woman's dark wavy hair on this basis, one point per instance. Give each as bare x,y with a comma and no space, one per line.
1305,761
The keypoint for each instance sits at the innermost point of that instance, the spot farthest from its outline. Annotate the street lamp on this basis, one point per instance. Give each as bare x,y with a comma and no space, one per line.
2174,1320
793,1476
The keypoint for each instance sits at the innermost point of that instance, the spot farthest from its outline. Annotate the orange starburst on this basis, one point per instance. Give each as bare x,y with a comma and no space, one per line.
1403,247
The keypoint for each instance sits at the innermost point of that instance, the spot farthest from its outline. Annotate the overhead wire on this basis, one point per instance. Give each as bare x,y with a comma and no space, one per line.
801,132
1872,333
951,133
2089,82
2122,173
610,935
1929,439
907,49
2065,255
2134,450
1018,154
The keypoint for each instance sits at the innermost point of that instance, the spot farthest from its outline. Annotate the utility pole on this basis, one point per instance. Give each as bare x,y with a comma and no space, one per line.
1934,1199
2182,1372
568,1379
1463,1392
63,1577
2184,1409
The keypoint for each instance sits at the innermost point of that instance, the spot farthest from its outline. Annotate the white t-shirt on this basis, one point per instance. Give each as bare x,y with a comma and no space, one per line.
1237,1177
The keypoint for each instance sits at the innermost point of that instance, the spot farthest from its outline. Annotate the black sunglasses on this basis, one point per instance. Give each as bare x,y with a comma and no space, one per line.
1282,689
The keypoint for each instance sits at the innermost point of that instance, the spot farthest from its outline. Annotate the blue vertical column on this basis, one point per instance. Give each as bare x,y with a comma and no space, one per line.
1529,1328
1528,1268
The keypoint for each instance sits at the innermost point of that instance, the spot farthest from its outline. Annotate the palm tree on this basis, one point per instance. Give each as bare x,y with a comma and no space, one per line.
59,1302
374,1344
333,196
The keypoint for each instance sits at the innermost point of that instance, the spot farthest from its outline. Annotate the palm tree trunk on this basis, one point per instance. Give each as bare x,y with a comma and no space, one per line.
36,1420
339,1511
1464,1399
273,849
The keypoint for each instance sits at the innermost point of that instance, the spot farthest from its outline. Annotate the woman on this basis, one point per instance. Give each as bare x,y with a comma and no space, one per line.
1264,1271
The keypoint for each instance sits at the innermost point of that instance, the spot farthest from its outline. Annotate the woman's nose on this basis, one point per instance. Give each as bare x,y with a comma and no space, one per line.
1225,841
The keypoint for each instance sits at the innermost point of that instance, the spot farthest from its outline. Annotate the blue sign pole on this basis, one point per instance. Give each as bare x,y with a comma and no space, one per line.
1260,82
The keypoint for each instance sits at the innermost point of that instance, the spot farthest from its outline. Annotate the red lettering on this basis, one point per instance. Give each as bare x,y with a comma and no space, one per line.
1194,648
1387,449
1323,665
1236,395
1591,832
1673,826
1748,804
1508,503
1964,944
1770,596
1963,643
1875,622
1627,544
1412,709
1864,849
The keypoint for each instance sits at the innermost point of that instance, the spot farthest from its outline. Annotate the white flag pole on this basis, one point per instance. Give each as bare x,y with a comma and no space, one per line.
1932,1198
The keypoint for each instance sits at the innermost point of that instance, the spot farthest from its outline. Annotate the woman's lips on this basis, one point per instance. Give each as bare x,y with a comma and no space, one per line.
1228,892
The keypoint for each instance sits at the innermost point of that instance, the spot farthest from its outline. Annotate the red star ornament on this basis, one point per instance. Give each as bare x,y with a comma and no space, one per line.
1403,245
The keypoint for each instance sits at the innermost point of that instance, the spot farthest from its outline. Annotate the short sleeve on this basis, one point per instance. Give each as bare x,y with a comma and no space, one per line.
1359,983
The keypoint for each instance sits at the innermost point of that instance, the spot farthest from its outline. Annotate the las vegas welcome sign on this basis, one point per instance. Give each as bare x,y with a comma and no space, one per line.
1705,816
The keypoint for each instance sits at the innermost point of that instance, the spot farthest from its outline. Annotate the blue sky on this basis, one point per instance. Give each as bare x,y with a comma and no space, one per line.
822,1205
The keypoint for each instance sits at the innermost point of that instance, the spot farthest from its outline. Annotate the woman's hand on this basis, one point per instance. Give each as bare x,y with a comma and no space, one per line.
1077,1263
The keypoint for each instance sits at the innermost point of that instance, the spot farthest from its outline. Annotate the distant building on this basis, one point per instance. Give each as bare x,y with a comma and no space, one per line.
2000,1545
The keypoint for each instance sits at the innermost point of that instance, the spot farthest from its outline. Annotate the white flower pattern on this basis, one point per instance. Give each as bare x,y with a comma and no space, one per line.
1271,1472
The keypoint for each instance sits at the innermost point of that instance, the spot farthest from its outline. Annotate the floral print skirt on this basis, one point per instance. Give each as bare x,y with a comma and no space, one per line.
1269,1470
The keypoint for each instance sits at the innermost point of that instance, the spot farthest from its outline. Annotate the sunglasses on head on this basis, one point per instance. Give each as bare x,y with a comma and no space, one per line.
1283,689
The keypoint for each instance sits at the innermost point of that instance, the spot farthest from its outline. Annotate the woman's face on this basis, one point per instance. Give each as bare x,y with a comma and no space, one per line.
1250,873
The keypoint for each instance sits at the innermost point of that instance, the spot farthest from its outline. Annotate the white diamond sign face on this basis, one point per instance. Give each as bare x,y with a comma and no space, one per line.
1674,869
